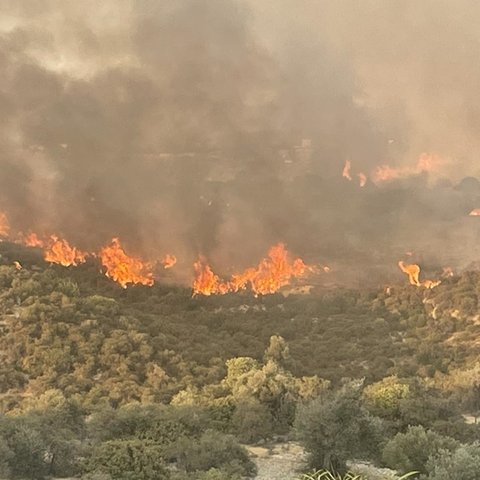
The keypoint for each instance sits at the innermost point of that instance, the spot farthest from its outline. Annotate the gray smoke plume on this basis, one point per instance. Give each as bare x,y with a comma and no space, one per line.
220,127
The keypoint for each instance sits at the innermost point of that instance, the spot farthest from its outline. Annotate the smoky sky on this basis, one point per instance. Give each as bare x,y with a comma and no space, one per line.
220,127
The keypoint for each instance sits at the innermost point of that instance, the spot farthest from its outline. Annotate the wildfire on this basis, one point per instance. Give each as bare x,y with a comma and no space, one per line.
269,276
169,261
362,178
346,170
55,249
413,272
346,173
119,266
4,225
32,240
272,273
431,283
206,282
125,269
59,251
475,212
425,163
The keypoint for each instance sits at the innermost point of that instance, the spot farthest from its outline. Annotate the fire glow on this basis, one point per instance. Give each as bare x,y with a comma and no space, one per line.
4,225
346,170
425,163
346,173
169,261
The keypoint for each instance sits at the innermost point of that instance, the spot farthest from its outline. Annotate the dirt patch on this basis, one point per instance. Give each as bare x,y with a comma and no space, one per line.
278,461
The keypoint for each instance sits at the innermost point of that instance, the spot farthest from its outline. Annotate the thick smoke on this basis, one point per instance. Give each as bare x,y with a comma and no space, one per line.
220,127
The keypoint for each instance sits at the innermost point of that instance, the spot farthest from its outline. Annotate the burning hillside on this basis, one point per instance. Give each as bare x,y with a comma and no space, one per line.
277,270
271,274
327,134
117,265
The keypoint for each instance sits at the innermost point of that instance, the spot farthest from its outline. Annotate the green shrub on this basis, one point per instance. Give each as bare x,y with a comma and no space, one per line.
213,450
411,450
252,421
129,460
336,427
461,464
6,456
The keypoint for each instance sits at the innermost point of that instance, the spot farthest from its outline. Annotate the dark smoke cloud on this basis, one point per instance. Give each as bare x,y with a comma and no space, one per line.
220,127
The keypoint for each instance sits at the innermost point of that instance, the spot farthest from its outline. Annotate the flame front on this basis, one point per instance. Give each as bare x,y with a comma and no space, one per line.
55,249
475,212
206,282
269,276
124,269
59,251
276,271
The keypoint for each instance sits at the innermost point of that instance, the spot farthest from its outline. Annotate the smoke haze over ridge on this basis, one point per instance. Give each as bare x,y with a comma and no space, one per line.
220,127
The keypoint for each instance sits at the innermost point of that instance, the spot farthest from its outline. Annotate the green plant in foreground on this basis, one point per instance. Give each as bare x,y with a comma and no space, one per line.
326,475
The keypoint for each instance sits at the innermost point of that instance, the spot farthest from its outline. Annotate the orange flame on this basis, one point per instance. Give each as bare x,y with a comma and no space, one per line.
425,163
346,170
125,269
413,272
4,225
362,178
475,212
169,261
18,265
206,282
272,273
346,173
119,266
59,251
269,276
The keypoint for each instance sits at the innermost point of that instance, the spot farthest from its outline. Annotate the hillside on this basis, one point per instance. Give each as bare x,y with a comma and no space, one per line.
94,371
74,330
